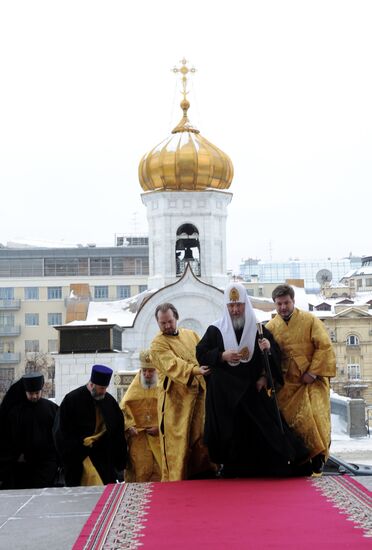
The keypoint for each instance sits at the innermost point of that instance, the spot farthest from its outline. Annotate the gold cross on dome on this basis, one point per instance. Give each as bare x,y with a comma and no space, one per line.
184,70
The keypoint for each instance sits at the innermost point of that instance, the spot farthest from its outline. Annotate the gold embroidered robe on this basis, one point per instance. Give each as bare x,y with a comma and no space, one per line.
181,406
139,406
306,347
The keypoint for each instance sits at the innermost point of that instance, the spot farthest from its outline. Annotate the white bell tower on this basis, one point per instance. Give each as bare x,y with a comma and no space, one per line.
187,227
184,179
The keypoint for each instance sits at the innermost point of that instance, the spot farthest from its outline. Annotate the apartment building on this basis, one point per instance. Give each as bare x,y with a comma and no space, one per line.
38,285
314,272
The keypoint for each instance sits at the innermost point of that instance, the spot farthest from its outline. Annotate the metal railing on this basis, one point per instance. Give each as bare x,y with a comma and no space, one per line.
10,304
11,330
10,357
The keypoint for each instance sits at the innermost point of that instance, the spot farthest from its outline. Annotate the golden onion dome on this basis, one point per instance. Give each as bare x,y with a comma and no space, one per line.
185,161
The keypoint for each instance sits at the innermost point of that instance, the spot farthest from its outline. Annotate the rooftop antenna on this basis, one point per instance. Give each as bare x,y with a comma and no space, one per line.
270,251
135,223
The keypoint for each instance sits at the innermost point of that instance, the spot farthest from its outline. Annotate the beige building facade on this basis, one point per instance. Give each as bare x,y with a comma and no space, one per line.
32,305
350,329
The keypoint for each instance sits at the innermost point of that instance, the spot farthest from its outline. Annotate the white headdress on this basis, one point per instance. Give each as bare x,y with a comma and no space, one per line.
236,293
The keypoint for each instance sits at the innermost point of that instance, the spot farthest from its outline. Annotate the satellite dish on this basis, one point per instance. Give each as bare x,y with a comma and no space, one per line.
324,276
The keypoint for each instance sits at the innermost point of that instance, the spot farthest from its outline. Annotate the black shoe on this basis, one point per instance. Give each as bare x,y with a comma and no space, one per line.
227,472
317,463
302,470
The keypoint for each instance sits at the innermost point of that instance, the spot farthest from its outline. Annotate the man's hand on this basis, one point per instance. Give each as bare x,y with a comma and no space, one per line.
204,370
154,430
132,431
231,356
261,383
307,378
264,343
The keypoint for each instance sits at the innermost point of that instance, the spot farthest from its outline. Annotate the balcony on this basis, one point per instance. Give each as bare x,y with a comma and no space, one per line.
10,330
352,347
10,304
9,358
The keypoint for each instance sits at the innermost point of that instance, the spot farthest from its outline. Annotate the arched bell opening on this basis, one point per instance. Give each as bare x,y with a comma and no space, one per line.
187,249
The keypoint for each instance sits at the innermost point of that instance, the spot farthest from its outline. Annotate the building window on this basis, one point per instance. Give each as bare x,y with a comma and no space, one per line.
6,346
368,282
31,345
54,318
6,319
122,291
130,266
352,340
100,266
32,319
52,346
65,267
353,372
6,293
25,267
6,378
101,292
31,293
142,288
54,293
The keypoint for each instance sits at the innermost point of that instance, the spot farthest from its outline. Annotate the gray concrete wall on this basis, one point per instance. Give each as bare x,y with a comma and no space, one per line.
352,412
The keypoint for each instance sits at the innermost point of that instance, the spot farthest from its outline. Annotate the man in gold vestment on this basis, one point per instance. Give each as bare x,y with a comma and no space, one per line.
181,398
308,362
139,406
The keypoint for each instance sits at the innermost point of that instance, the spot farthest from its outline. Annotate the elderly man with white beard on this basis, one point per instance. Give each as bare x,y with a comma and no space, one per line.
139,406
242,431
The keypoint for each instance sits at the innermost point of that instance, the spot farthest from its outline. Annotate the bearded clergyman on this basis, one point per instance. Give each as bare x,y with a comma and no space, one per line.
139,406
89,433
181,400
242,431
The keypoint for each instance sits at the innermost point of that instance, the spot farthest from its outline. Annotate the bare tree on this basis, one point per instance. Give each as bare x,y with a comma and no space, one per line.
38,361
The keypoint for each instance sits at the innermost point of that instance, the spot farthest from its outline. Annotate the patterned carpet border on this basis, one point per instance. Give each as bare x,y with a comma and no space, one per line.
121,513
352,499
117,519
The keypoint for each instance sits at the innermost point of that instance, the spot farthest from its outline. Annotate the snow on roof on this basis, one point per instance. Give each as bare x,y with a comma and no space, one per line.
118,312
349,274
323,314
263,316
338,397
364,270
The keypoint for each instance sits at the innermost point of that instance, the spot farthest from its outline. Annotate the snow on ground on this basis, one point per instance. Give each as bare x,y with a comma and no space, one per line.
356,449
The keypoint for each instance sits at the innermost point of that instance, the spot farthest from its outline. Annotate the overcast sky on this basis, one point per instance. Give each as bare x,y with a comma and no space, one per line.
283,87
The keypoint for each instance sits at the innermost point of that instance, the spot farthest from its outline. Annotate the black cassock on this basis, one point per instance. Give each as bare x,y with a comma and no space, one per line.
241,426
28,458
76,420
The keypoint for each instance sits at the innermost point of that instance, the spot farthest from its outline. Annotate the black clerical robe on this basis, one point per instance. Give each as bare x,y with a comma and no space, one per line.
241,428
28,456
75,421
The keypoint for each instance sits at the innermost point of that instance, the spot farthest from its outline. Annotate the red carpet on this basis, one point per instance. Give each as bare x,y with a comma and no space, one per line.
329,512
